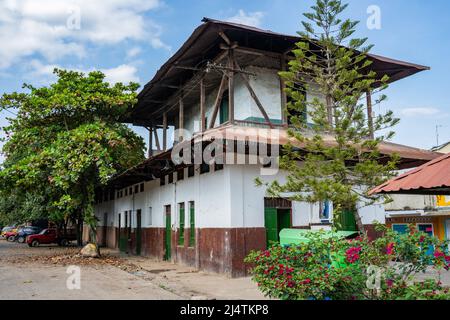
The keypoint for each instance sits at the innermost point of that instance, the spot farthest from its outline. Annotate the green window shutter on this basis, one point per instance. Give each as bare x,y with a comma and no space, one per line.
192,226
181,233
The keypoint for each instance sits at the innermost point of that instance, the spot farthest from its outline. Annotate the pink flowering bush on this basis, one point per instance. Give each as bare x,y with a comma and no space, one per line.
329,268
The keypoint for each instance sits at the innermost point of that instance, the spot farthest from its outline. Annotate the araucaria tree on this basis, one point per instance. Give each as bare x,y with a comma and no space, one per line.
66,141
327,82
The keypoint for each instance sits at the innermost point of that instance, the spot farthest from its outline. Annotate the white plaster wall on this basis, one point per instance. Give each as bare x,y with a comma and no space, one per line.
413,202
226,198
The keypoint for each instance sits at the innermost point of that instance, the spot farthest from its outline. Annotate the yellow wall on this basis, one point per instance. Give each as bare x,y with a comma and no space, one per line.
443,201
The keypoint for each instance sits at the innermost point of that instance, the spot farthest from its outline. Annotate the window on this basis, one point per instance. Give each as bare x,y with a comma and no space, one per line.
111,195
136,189
162,181
171,177
325,210
126,192
181,231
142,187
218,167
180,174
130,191
204,168
400,228
191,171
150,218
426,227
192,224
299,114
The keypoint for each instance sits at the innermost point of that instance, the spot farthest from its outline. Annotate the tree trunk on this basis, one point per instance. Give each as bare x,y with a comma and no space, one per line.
80,230
358,220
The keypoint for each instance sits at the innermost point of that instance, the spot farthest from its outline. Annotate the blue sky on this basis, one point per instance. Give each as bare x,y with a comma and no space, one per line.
131,39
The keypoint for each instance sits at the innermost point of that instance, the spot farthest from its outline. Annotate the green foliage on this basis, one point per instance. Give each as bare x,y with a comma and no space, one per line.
338,269
327,81
66,141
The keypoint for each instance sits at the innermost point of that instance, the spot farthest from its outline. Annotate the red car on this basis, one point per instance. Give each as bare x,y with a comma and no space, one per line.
48,236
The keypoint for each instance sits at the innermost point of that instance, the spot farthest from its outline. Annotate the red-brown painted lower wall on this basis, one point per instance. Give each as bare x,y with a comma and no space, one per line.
215,249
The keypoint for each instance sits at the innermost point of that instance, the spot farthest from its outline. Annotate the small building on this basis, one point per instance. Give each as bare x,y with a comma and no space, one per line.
421,197
221,86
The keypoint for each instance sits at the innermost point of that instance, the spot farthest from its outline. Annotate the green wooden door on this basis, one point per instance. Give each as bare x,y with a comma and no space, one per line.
346,221
138,232
168,241
271,224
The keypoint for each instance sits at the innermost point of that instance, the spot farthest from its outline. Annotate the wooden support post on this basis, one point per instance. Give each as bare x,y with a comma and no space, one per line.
253,95
181,119
369,114
218,101
158,146
164,131
283,92
150,141
231,86
202,106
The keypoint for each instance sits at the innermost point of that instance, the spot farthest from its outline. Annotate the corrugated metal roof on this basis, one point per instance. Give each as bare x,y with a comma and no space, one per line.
431,178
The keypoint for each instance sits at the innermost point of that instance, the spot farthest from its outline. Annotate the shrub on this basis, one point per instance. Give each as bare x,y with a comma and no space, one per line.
327,267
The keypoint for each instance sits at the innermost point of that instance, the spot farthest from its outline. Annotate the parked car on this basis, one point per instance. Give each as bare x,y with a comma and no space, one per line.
48,236
11,235
23,233
5,230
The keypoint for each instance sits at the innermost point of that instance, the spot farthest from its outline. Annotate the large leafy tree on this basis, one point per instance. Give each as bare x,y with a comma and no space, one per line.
66,141
327,82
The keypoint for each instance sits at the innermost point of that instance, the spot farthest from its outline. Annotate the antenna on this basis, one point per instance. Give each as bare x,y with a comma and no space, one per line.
437,134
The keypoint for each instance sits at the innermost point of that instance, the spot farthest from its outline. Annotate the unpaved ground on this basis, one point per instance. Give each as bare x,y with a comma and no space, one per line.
41,273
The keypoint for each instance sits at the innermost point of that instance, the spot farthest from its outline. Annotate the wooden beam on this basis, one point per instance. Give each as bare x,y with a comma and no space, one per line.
231,86
225,38
369,114
218,101
172,101
164,131
181,118
202,105
254,96
283,92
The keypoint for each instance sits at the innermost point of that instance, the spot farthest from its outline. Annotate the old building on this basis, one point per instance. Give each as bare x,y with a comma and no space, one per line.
223,82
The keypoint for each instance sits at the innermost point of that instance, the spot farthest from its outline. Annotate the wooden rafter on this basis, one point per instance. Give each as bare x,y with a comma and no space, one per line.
164,131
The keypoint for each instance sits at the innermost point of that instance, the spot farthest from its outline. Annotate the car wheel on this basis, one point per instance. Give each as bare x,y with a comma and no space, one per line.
21,239
64,242
35,243
11,238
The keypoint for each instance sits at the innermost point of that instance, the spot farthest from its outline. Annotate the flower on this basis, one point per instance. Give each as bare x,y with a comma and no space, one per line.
390,249
353,254
389,283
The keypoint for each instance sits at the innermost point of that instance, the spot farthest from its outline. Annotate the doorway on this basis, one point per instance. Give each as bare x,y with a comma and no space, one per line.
138,232
277,216
168,234
123,233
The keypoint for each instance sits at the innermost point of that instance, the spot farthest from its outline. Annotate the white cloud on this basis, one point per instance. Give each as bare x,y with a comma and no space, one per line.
43,73
415,112
251,18
133,52
55,28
